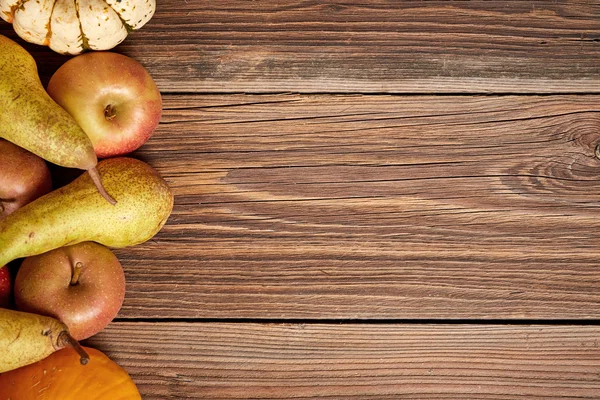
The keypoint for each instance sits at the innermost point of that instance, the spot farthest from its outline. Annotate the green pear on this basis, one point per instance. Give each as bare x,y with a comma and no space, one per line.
26,338
77,212
32,120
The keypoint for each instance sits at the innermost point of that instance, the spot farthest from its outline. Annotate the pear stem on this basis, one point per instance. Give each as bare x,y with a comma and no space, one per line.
66,340
76,273
98,182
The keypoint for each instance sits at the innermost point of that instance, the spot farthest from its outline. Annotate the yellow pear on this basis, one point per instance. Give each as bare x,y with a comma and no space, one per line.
32,120
77,212
26,338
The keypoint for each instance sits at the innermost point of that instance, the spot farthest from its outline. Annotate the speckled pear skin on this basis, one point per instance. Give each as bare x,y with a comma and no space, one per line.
31,119
77,212
26,338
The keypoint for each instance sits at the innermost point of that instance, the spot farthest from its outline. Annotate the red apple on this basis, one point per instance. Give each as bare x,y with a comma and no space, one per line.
82,285
23,177
5,288
112,97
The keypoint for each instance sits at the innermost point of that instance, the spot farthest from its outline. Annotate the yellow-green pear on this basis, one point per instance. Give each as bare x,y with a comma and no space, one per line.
30,118
77,212
26,338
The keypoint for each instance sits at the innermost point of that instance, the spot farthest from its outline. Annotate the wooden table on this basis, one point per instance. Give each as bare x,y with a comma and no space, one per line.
374,199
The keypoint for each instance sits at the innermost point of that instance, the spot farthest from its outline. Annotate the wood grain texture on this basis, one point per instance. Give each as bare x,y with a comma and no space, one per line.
362,207
366,46
250,361
317,208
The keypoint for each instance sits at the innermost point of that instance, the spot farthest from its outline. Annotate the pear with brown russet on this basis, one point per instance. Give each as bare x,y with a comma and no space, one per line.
32,120
77,213
26,338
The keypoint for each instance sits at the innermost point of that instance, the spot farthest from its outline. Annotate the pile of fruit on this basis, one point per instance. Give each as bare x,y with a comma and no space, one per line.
69,284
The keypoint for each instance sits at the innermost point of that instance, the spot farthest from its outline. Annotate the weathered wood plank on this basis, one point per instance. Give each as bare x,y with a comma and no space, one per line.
367,46
367,207
242,361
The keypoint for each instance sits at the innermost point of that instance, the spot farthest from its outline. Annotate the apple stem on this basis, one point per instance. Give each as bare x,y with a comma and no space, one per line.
109,113
98,182
64,339
76,272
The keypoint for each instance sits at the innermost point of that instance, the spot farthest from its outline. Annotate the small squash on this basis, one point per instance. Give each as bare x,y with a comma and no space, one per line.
61,376
73,26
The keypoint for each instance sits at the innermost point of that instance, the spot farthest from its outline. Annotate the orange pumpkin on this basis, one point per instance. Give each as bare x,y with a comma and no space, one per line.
61,376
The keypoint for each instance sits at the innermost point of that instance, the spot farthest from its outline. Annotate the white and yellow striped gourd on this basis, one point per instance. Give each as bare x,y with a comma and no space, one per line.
73,26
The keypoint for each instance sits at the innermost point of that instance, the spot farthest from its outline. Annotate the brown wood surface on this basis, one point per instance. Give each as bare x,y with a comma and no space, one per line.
298,361
371,224
367,46
383,207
